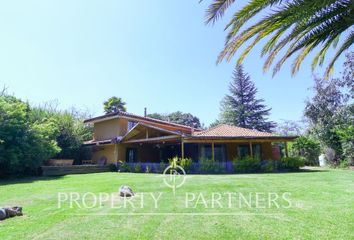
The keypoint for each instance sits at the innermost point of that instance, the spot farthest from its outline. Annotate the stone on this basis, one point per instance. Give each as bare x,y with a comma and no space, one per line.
10,212
2,214
125,191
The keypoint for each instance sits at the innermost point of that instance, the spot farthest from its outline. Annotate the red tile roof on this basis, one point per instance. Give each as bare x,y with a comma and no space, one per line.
130,115
228,131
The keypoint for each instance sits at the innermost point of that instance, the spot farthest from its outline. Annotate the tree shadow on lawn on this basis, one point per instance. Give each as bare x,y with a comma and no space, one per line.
19,180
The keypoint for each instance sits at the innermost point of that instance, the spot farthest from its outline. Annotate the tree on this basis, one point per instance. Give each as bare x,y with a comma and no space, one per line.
241,108
179,118
24,144
158,116
114,104
291,27
185,119
72,131
289,127
307,147
330,113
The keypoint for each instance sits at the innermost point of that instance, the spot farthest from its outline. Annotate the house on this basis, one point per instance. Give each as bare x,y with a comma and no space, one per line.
123,136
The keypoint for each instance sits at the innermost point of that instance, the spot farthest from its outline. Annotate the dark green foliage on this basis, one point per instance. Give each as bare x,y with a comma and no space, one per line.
330,115
114,104
308,148
123,167
113,167
138,168
209,166
24,144
31,136
289,27
241,107
179,118
345,133
292,163
185,163
247,165
161,167
71,131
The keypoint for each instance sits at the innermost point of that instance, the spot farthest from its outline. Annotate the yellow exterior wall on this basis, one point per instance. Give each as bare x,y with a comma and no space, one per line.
110,129
104,151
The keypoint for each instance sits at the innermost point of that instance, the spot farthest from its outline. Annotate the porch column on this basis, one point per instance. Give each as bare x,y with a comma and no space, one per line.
286,149
212,151
251,149
182,149
116,153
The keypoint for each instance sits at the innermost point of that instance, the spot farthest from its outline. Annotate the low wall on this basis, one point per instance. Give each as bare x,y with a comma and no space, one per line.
60,162
74,169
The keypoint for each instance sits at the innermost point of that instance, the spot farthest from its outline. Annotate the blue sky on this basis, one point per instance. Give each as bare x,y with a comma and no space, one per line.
157,54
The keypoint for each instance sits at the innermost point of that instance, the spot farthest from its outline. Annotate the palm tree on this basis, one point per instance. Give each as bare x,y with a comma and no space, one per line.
114,104
294,26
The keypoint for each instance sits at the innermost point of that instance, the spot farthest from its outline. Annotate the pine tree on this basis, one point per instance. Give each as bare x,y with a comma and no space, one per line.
241,107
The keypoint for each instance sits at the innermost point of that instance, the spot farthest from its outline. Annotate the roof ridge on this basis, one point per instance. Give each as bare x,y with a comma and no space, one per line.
155,119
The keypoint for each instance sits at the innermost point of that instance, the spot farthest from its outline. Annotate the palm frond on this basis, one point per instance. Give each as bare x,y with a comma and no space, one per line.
347,43
299,26
217,9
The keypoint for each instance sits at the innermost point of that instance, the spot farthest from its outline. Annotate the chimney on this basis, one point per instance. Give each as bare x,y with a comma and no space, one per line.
145,112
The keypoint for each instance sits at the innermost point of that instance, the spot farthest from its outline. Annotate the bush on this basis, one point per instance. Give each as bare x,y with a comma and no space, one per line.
308,148
113,167
344,164
267,166
25,144
185,163
292,163
138,168
123,166
161,167
209,166
247,164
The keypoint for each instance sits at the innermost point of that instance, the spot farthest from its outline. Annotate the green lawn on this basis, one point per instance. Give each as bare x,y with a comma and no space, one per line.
322,207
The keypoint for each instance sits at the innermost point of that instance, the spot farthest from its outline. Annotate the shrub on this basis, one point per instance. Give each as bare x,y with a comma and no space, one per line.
247,164
186,164
267,166
123,167
292,163
209,166
206,165
308,148
113,167
162,167
344,164
138,168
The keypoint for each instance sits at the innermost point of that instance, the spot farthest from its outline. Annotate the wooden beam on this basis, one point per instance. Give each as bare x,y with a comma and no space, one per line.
147,133
286,149
251,149
182,149
155,139
212,151
233,140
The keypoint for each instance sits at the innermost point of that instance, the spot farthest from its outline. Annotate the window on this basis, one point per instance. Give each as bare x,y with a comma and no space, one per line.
243,150
131,155
257,151
205,151
131,125
219,152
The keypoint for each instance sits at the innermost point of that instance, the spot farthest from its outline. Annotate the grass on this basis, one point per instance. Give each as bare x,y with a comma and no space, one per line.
322,207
